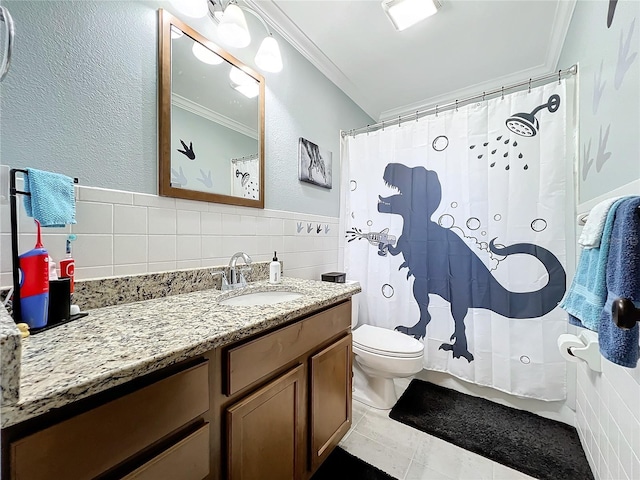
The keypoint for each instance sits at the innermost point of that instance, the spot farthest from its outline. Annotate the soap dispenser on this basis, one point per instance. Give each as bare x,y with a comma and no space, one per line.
274,270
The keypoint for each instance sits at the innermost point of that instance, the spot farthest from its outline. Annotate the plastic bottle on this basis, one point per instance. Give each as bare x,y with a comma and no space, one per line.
34,286
274,270
68,265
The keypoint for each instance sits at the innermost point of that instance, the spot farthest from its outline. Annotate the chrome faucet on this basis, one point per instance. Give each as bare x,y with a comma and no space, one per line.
238,280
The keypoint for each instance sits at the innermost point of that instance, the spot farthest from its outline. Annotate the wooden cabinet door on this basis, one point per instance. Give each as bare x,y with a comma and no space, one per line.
188,459
264,431
330,398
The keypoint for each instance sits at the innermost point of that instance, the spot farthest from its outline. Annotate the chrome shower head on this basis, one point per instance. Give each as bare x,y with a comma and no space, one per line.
523,124
526,124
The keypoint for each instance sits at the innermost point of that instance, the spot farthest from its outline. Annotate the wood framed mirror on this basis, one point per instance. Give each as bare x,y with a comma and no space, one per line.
211,120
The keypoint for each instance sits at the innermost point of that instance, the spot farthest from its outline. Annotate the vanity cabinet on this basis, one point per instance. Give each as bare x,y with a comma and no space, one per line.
272,406
285,398
155,420
264,429
330,417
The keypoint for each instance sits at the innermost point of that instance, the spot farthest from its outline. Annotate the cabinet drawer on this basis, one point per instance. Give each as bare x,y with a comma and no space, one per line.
90,443
254,360
187,460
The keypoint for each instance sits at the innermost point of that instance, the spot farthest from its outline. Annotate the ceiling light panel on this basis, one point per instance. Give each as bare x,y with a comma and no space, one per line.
405,13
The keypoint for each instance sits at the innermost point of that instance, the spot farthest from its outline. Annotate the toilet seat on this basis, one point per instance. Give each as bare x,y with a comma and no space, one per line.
389,343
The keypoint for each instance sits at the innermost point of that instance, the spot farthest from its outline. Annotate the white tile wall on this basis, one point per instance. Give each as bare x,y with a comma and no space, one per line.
608,420
123,233
608,404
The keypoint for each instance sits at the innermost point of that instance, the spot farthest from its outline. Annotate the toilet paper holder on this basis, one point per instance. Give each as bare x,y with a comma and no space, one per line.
584,347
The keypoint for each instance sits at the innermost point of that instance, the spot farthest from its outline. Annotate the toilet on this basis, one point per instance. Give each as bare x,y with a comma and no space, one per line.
379,356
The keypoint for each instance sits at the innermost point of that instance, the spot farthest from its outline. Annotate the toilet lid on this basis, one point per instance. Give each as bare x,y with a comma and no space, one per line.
386,342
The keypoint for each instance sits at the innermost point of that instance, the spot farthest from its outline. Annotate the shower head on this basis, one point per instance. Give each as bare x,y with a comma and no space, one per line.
526,124
523,124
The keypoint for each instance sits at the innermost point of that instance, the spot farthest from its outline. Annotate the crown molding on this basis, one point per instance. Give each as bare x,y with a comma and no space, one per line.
290,32
197,109
561,22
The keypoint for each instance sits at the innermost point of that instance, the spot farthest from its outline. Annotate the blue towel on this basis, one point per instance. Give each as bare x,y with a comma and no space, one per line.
588,292
623,280
52,201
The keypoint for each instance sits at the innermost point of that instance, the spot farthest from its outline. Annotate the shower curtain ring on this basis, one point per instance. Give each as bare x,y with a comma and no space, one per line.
436,110
483,95
529,86
502,93
398,120
367,130
416,115
383,125
559,74
456,105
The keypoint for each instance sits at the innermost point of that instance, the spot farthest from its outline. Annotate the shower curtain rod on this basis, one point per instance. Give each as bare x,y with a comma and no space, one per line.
253,156
460,103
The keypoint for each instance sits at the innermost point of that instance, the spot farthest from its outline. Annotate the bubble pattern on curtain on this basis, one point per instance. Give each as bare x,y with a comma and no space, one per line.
455,228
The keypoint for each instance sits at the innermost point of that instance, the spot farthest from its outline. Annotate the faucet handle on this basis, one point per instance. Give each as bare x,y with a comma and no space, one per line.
224,281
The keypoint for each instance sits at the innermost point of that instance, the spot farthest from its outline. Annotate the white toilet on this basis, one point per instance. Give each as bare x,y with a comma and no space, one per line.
380,355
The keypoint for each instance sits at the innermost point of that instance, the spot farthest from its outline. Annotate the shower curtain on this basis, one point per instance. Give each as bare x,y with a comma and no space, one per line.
455,228
244,177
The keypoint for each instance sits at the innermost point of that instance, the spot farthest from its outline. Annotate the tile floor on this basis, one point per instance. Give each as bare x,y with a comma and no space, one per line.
409,454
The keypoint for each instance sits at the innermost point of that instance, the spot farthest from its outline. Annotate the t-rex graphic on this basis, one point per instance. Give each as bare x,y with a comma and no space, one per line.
442,263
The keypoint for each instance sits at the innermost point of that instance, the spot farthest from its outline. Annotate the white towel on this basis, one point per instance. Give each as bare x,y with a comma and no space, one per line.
592,231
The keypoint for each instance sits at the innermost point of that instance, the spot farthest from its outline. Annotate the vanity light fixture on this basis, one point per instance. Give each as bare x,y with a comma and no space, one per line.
233,31
405,13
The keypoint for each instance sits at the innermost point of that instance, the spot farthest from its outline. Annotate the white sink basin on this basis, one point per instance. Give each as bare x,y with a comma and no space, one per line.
260,298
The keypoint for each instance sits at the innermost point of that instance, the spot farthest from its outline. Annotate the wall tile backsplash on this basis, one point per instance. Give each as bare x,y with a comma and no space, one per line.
124,233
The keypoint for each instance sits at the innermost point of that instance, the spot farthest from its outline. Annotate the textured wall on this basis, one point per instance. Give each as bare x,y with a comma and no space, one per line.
609,93
607,409
81,99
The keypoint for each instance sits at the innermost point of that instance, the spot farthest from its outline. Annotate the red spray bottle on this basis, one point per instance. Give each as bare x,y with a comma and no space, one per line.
34,285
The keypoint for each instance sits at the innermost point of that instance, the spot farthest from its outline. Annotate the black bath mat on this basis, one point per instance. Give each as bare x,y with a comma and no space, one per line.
341,465
534,445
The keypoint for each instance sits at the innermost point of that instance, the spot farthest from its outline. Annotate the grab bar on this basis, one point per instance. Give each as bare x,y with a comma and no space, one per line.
5,17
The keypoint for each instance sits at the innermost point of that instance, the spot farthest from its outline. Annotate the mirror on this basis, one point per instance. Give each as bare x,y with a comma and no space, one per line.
211,120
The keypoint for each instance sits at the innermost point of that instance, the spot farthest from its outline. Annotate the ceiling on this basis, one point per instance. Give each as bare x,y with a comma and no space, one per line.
468,47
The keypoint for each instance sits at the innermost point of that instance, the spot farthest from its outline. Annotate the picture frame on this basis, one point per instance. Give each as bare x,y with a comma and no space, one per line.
314,164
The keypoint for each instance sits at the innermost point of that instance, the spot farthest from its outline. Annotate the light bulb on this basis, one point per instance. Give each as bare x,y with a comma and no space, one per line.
191,8
268,57
233,28
205,55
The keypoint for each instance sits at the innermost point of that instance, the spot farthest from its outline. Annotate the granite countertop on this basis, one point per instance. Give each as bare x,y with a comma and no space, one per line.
10,353
119,343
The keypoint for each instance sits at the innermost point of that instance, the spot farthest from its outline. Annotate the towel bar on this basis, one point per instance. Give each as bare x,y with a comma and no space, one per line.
582,219
13,191
625,314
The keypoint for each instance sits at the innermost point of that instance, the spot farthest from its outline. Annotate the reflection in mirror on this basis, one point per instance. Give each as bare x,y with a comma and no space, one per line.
212,121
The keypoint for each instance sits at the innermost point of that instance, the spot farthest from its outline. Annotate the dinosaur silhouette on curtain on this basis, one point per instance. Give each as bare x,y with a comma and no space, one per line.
442,263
